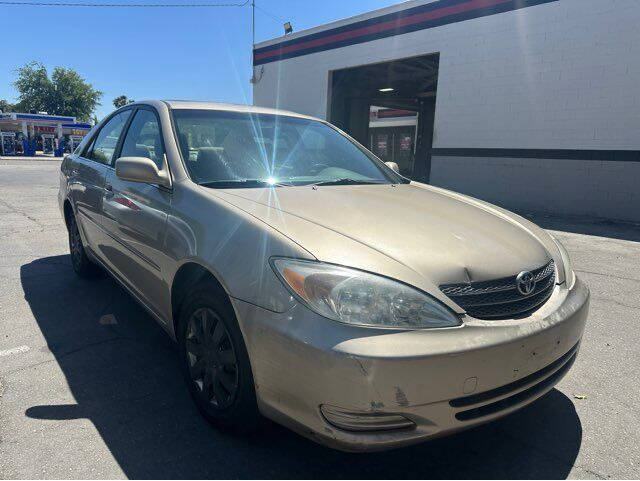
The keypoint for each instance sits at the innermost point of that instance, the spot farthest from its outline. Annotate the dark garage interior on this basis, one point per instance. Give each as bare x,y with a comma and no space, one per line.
408,84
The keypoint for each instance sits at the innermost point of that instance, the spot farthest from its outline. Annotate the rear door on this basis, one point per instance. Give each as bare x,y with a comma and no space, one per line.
87,178
135,214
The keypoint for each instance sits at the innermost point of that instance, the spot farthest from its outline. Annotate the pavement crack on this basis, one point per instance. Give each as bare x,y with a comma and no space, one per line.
24,214
617,303
608,275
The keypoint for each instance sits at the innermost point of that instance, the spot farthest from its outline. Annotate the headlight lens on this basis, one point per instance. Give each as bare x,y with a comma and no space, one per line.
360,298
569,275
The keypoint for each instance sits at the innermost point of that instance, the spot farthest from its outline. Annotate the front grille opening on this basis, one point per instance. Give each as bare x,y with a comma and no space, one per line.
500,298
513,386
522,396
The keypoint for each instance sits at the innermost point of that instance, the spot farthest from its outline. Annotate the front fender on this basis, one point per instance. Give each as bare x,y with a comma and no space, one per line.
231,244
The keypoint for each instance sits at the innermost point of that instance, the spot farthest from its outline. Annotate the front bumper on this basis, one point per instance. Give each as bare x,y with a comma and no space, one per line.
443,380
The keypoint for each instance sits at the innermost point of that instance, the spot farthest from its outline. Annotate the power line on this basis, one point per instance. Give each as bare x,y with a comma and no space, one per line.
280,20
126,5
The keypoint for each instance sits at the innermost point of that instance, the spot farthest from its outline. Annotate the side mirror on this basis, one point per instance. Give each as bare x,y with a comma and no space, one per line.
393,166
141,169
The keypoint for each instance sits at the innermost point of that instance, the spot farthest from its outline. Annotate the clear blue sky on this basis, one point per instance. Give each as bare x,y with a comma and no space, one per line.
186,53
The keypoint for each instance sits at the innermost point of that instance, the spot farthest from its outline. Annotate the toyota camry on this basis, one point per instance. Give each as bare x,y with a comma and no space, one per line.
307,281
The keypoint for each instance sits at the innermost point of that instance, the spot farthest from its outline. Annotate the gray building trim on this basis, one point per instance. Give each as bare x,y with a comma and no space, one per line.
560,154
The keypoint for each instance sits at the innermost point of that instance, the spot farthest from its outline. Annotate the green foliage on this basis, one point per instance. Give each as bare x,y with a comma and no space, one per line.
65,93
6,106
121,101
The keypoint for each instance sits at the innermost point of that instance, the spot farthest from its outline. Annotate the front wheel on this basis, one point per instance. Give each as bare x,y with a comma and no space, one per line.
215,361
82,265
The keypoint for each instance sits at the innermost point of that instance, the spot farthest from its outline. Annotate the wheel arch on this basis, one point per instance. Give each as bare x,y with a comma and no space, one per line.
68,212
189,275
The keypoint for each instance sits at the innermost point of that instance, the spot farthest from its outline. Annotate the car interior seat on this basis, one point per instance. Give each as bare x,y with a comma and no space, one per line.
210,166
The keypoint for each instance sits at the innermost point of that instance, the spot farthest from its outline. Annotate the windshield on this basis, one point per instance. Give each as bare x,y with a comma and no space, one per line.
237,149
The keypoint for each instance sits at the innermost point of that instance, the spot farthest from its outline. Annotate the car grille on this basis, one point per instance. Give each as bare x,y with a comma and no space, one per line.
500,298
504,397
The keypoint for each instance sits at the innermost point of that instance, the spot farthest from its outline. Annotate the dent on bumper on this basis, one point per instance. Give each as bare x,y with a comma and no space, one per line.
302,361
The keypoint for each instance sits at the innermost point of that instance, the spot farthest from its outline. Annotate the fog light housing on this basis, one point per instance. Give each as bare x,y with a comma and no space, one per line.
363,422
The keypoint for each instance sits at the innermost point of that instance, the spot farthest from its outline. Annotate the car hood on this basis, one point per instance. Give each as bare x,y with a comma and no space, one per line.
440,235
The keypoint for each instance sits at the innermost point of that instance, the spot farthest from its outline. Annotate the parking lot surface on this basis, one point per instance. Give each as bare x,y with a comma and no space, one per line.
90,385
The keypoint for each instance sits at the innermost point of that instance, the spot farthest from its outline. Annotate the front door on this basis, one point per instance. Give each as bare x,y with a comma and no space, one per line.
87,172
135,216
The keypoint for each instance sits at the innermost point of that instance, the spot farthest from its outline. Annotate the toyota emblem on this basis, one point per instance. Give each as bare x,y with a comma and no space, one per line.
526,283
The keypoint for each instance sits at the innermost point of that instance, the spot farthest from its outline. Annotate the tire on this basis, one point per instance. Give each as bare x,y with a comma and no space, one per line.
81,264
215,362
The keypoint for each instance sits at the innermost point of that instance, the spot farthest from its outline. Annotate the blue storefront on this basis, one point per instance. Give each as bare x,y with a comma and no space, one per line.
34,134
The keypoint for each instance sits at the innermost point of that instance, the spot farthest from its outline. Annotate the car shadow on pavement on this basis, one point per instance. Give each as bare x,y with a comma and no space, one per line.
123,372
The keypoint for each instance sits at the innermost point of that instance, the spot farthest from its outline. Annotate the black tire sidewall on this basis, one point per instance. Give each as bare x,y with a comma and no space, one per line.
84,267
243,414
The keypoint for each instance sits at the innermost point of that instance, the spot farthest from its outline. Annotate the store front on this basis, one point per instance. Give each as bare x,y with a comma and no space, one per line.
39,134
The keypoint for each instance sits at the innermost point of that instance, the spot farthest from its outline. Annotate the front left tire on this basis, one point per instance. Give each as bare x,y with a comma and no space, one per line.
215,361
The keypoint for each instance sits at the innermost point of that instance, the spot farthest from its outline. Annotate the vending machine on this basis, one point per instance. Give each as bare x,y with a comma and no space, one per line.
7,143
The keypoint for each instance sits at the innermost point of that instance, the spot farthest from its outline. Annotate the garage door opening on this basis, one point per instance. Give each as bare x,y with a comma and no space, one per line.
390,108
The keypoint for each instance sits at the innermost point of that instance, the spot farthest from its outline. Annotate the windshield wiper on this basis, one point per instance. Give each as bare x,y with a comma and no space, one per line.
345,181
243,183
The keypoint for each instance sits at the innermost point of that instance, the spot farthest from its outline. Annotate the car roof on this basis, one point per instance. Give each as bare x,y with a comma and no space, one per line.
198,105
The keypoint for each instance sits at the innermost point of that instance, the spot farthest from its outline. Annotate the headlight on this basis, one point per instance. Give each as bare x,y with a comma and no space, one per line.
569,275
360,298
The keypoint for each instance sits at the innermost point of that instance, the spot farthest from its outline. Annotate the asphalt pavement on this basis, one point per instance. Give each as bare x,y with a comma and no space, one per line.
90,385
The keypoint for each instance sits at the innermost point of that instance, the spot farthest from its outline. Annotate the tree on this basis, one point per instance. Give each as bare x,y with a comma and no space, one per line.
121,101
65,93
6,106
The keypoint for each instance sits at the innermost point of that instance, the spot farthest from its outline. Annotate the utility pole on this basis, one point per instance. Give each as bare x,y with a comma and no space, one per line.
253,29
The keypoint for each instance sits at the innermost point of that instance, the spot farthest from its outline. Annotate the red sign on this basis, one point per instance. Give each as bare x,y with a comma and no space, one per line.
44,130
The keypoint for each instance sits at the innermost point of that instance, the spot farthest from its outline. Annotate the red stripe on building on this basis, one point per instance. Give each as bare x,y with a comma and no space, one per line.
384,26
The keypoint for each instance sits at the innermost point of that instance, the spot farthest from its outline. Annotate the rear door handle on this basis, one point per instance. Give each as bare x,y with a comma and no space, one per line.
108,188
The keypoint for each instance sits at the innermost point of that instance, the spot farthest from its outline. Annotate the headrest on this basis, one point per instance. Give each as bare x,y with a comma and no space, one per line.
210,166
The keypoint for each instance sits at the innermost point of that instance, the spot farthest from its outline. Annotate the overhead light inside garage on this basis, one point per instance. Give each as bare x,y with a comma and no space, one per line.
386,89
